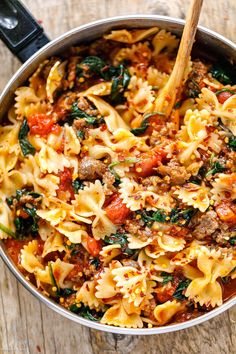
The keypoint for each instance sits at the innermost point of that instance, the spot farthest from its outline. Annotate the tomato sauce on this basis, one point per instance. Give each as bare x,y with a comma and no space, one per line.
229,289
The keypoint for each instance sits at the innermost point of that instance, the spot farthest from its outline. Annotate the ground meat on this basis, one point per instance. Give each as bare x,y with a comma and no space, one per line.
85,106
224,233
91,169
177,173
205,225
195,82
81,124
108,180
135,227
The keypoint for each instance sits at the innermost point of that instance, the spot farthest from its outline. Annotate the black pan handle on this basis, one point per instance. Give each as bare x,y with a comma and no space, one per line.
19,30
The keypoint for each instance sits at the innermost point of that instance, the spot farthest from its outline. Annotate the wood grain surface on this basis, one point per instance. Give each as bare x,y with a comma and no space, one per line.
26,326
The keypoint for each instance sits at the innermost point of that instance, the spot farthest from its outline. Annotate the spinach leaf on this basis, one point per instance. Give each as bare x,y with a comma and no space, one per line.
232,143
181,217
96,262
20,193
224,90
7,231
26,147
145,123
85,312
121,239
224,73
27,226
76,113
232,241
166,277
119,75
77,184
178,294
53,280
143,127
94,64
67,292
80,134
149,217
120,82
216,168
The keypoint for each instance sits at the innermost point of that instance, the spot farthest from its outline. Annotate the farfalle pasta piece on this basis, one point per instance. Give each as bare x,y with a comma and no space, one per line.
117,316
163,264
51,161
25,96
86,295
194,195
71,142
133,54
10,181
192,133
136,197
132,283
134,242
53,243
187,255
226,111
89,202
171,243
156,78
109,252
111,116
164,41
101,89
46,185
132,36
106,286
30,260
37,81
224,187
140,95
72,230
60,271
206,289
6,219
121,139
54,79
164,312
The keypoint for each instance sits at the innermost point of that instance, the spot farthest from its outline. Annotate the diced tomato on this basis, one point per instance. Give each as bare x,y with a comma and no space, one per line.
117,211
94,246
66,182
149,161
42,124
226,212
223,96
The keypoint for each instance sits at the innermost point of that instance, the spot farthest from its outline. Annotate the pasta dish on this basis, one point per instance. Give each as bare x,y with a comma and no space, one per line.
120,213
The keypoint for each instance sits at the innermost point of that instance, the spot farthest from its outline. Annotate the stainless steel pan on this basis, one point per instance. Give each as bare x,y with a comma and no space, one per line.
25,44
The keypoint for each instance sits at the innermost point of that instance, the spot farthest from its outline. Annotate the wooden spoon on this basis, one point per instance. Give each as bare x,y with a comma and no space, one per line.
166,100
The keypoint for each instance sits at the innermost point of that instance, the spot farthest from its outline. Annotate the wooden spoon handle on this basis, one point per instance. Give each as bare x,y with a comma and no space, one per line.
165,101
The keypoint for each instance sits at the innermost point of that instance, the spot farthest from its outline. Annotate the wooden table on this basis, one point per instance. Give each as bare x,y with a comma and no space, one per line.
26,326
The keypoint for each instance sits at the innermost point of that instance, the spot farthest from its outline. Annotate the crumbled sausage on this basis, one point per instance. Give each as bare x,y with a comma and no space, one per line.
206,225
177,173
90,169
195,82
